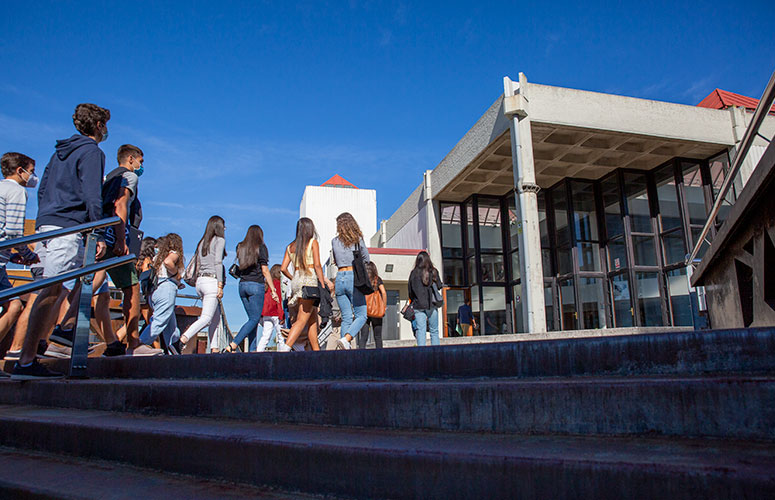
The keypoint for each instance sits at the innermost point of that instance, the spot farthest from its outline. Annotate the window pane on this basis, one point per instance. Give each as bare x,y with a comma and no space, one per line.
695,198
584,211
673,243
648,299
613,210
620,296
519,326
549,305
680,300
451,231
494,310
490,238
560,201
719,166
617,254
492,268
589,256
470,228
564,260
475,307
568,296
643,248
515,269
635,189
668,198
455,299
471,264
515,227
453,272
592,303
546,261
543,224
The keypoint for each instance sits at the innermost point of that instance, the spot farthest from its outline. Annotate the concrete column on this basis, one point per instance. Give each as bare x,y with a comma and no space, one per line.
433,224
515,107
739,125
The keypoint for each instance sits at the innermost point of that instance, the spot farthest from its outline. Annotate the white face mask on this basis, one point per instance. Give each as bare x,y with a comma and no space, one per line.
32,180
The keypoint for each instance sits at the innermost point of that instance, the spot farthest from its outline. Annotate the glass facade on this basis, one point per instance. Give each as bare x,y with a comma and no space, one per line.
612,249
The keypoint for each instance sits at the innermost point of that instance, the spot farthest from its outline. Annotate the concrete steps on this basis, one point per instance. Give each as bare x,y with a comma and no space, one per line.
687,415
36,475
731,406
371,463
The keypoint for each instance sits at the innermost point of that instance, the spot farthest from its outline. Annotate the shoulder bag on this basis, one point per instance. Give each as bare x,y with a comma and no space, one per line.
360,276
375,305
408,312
192,270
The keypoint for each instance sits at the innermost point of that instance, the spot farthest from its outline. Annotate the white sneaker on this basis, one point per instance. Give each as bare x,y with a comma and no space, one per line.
144,350
283,348
343,345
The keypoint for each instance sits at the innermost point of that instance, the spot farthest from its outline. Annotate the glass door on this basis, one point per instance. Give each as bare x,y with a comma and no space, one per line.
453,299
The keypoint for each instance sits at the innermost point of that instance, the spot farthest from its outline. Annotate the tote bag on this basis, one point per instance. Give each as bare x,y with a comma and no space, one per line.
360,276
375,305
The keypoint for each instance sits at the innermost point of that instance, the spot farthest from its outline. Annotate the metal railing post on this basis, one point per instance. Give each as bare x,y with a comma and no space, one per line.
80,352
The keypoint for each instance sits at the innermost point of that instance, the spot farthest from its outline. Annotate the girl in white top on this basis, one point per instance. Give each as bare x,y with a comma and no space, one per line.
209,283
304,254
168,265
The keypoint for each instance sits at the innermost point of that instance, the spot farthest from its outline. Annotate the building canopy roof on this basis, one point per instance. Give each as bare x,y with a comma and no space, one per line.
723,99
339,181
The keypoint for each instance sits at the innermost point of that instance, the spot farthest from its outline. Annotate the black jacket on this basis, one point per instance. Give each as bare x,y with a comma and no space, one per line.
422,295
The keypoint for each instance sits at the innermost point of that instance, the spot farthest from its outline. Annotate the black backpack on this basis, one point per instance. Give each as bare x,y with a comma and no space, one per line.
148,282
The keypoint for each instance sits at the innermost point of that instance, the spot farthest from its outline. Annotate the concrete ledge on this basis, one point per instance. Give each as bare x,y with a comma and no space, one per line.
525,337
402,464
730,407
749,350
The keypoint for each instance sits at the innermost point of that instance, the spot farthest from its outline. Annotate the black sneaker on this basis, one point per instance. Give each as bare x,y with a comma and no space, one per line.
35,371
116,348
42,347
62,337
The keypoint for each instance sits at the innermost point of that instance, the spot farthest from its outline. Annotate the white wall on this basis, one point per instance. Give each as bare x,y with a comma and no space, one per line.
323,204
413,235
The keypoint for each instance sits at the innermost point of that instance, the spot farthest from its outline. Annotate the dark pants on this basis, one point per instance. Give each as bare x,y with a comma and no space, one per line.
363,338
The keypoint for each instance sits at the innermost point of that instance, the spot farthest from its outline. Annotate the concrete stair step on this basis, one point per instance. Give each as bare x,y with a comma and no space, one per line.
37,475
370,463
749,350
733,406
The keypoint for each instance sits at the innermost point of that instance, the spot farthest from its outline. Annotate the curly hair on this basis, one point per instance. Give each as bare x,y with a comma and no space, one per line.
169,243
87,118
347,230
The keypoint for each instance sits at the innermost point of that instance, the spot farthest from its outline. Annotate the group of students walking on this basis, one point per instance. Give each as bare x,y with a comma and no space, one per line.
75,190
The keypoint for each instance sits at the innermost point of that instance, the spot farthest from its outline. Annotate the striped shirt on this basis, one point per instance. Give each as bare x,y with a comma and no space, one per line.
13,208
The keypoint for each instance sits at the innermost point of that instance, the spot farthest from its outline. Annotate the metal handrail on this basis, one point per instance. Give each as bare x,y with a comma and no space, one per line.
762,109
57,233
34,286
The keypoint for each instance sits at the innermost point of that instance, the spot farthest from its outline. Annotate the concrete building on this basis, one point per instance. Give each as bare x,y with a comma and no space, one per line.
324,203
563,209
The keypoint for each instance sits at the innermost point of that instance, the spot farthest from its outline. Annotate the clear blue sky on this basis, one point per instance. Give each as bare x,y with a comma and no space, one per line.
239,105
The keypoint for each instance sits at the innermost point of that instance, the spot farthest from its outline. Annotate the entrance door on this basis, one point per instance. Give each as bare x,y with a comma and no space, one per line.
391,322
453,299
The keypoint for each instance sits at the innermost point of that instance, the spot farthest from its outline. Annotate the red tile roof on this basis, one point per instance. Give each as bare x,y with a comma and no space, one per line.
339,181
722,99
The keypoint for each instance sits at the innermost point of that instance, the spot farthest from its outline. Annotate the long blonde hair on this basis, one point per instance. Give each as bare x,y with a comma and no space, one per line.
305,232
347,229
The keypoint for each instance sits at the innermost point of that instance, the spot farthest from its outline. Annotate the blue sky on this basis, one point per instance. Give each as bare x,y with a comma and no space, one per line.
239,105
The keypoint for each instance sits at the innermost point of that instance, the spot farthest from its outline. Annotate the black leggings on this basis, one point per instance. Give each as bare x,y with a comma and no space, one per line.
376,325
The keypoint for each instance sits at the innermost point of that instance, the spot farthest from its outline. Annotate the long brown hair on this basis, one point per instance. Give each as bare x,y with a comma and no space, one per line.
215,227
249,248
425,266
169,243
305,232
347,230
371,269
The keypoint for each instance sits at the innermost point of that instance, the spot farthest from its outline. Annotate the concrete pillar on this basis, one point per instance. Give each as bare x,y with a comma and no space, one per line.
739,125
515,107
432,223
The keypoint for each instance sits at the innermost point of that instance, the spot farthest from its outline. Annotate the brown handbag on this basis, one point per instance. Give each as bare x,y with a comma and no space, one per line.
375,305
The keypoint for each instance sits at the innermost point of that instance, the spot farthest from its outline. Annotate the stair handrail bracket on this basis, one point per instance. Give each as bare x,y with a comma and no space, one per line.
85,274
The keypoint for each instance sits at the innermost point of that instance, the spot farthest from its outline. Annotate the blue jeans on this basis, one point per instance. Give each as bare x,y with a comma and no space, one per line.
352,303
163,324
427,319
252,295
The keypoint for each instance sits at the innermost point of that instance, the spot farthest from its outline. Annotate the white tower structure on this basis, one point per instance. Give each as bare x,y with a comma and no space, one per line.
324,203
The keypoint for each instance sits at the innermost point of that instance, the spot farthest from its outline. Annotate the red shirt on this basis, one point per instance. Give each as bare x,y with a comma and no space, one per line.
273,307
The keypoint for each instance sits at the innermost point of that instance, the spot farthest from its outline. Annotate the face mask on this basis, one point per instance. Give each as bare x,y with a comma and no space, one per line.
156,251
104,134
139,171
32,180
